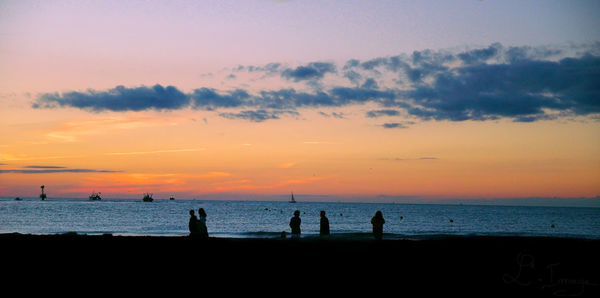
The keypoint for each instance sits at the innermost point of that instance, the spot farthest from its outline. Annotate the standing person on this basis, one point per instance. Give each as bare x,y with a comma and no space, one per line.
377,221
295,224
202,230
324,231
193,224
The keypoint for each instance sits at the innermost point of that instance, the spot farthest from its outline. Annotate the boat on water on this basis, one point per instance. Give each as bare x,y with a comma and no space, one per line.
292,200
147,197
18,199
43,195
95,196
171,198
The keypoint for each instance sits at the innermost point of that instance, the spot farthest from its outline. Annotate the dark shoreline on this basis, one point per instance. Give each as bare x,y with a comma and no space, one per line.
530,265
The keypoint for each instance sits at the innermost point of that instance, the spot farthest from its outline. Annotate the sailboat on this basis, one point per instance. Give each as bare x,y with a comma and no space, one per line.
292,199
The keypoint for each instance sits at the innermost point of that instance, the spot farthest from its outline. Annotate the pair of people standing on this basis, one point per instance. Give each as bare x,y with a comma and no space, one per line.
296,221
377,221
197,225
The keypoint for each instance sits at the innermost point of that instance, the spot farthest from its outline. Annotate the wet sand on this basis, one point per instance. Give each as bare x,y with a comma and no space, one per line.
452,264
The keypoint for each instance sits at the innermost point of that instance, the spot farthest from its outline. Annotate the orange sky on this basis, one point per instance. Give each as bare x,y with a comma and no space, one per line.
180,154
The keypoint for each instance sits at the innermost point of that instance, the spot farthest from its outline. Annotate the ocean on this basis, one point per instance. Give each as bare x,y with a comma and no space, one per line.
248,219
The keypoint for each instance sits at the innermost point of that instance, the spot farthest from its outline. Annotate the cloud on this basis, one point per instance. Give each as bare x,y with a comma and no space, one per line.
72,131
523,91
333,114
287,165
119,98
257,115
210,99
379,113
312,71
321,143
211,175
394,125
480,55
47,170
370,83
407,159
156,151
523,84
268,69
43,167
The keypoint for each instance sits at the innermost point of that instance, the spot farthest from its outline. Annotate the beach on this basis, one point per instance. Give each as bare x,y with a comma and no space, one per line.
452,264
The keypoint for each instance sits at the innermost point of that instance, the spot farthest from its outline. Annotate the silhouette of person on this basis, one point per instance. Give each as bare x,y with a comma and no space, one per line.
193,224
377,221
295,224
324,230
202,230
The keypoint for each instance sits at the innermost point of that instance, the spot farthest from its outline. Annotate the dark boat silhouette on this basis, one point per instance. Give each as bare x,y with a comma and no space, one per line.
95,196
172,198
147,197
292,200
18,199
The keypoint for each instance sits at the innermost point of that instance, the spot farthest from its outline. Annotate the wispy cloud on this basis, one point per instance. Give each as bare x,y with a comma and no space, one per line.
52,169
156,151
287,165
407,159
71,131
339,115
258,115
22,157
211,175
44,167
380,113
394,125
321,143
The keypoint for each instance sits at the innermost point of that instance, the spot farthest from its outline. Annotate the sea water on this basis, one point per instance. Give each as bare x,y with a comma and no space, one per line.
269,219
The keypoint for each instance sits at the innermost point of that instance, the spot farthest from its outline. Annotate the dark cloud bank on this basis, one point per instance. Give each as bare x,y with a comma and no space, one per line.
524,84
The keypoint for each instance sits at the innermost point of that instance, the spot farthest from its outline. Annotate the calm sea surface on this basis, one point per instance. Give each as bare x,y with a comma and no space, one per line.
268,219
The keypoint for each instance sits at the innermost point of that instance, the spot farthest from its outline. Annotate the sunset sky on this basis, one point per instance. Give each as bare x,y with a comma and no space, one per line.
333,100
